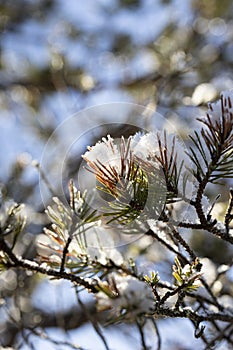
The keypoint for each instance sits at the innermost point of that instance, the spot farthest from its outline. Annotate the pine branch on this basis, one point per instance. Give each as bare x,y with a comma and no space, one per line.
167,245
194,316
213,152
182,242
213,160
18,262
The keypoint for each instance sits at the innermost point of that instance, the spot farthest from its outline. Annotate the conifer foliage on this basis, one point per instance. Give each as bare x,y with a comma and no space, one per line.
156,191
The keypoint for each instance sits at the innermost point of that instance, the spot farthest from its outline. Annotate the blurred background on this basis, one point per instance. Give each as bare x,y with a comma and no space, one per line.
58,58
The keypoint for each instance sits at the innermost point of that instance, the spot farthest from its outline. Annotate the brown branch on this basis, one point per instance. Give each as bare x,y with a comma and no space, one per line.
167,245
196,317
18,262
183,243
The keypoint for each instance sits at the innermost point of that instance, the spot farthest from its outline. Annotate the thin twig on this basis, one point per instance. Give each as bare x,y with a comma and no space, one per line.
183,242
222,335
142,336
44,178
43,335
93,322
167,245
157,333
